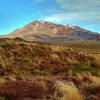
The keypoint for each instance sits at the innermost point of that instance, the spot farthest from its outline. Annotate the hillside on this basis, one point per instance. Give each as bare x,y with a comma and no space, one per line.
48,71
50,32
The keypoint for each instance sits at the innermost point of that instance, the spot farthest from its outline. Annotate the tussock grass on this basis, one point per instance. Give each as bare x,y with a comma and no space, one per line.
57,65
67,91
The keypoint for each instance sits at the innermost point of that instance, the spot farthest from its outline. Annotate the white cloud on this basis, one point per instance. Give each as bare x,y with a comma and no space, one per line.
70,10
81,5
60,17
86,9
70,17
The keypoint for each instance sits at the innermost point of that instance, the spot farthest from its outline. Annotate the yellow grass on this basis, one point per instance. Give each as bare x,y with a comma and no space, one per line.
69,91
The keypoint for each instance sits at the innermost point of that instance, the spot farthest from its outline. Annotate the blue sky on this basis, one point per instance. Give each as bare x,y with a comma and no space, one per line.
16,13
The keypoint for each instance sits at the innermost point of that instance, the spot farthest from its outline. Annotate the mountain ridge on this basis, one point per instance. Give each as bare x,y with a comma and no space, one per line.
42,31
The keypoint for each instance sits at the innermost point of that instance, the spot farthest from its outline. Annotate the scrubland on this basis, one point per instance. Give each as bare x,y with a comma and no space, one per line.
38,71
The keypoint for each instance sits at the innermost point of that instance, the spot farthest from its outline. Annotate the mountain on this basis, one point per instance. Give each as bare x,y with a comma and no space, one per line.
50,32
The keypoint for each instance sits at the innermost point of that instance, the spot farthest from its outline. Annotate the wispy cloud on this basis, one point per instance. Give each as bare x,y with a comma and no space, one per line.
75,12
79,5
71,17
87,8
80,10
61,17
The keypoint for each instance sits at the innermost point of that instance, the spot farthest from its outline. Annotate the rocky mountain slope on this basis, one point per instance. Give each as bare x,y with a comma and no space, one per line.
49,32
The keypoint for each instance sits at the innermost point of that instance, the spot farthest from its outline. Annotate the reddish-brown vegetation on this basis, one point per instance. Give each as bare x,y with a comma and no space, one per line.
30,70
